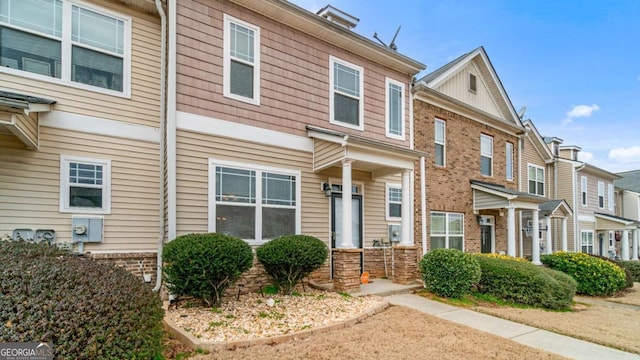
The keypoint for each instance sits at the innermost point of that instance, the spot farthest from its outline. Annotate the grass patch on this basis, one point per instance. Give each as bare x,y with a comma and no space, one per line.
476,299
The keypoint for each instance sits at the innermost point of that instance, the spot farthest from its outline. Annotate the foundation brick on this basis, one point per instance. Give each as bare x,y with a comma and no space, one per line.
405,263
346,270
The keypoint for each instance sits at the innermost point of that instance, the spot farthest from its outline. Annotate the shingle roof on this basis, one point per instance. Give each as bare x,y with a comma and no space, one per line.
25,98
507,191
549,206
630,180
615,217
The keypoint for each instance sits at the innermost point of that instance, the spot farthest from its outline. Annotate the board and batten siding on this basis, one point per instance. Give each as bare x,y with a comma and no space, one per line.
30,188
294,75
143,108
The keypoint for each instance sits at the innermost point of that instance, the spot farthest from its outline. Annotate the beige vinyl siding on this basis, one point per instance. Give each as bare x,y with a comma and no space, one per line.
327,153
531,157
143,106
28,125
30,188
489,201
604,224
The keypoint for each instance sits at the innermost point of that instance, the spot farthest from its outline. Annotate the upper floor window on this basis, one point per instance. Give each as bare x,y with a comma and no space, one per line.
93,52
486,155
509,161
395,109
600,195
610,196
346,103
440,142
583,190
241,60
536,180
85,185
394,202
447,231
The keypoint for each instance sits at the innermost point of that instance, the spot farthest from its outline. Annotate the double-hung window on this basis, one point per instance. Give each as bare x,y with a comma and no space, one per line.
509,161
85,185
486,155
394,202
241,61
610,199
395,109
66,41
346,101
253,203
440,142
536,180
447,231
586,241
583,190
600,195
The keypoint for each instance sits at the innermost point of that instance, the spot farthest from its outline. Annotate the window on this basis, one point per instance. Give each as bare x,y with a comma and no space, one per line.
583,190
610,199
394,202
440,142
253,203
600,195
346,97
395,109
586,240
447,231
536,180
612,239
93,53
486,155
241,61
85,185
472,83
509,157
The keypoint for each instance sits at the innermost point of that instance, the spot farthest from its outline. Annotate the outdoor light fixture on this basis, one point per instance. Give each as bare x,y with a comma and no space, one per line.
479,219
326,187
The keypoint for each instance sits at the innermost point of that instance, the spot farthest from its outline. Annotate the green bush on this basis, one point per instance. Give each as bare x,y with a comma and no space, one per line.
449,272
525,283
594,276
86,309
627,273
634,268
205,265
288,259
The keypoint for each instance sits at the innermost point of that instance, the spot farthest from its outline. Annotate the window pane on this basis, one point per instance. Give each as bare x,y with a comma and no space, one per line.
43,16
395,194
241,79
485,165
97,30
455,242
486,146
346,80
395,210
277,222
19,50
97,69
235,185
278,189
437,242
85,174
540,188
242,42
346,109
455,224
437,223
395,109
540,176
238,221
439,155
85,197
439,130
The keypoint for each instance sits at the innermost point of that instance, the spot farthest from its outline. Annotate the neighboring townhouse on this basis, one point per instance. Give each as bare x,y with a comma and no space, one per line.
470,198
285,121
628,203
79,127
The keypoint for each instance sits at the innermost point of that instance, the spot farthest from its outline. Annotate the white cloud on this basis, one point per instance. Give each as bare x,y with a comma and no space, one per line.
625,155
580,111
585,156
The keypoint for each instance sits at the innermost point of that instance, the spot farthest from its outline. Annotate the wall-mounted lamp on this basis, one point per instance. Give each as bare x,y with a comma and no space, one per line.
326,187
479,219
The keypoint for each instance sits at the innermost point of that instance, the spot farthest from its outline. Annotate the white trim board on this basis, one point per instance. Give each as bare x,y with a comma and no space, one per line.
212,126
99,126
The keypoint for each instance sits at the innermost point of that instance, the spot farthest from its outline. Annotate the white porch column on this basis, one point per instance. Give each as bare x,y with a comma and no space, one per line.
564,234
347,237
635,244
625,244
535,238
548,248
407,239
511,232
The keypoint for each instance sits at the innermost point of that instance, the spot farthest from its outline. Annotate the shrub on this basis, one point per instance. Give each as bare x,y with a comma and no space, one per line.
86,309
449,272
634,268
627,273
525,283
288,259
205,265
594,276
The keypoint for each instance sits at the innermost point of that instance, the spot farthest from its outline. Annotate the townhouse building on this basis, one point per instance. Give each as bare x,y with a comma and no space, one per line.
627,190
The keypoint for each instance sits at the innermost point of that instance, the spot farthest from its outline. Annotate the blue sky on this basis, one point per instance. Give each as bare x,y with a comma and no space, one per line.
574,64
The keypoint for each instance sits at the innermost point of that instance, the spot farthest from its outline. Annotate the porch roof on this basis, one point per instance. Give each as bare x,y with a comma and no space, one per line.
612,222
487,196
16,116
555,208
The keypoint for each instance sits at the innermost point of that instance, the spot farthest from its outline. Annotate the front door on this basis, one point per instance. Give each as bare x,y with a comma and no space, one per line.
486,238
336,222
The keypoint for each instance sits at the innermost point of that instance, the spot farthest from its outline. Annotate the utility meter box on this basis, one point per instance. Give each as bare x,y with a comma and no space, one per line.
395,233
87,229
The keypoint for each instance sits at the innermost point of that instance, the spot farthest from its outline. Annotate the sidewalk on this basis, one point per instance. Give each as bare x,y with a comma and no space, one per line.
527,335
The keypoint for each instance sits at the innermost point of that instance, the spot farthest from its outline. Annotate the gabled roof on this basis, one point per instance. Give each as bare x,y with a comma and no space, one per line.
592,169
506,192
550,207
617,219
630,181
538,141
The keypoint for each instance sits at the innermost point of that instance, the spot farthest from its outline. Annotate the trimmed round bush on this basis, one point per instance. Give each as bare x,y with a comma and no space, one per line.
596,277
449,272
205,265
634,268
288,259
86,309
524,283
627,272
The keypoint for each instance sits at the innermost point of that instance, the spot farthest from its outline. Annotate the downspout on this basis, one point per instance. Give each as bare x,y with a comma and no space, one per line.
423,206
163,22
171,122
411,142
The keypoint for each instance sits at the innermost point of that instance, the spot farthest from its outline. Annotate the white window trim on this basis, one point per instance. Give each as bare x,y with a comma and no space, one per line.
446,227
227,61
509,159
387,187
388,82
66,52
612,240
610,197
583,189
443,143
544,178
593,244
65,160
601,194
333,60
482,155
213,163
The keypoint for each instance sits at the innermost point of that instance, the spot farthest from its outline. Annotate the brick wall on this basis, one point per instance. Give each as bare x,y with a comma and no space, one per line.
374,260
136,263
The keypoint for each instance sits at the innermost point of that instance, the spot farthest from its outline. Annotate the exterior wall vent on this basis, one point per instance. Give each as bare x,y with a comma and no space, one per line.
338,17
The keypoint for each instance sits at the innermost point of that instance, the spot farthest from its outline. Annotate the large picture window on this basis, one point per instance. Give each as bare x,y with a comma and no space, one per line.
536,180
346,94
447,231
395,109
253,203
85,185
486,155
94,53
241,60
440,151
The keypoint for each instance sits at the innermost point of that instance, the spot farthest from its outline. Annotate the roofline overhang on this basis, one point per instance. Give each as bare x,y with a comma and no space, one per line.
310,23
563,204
624,221
531,127
148,6
508,196
600,172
